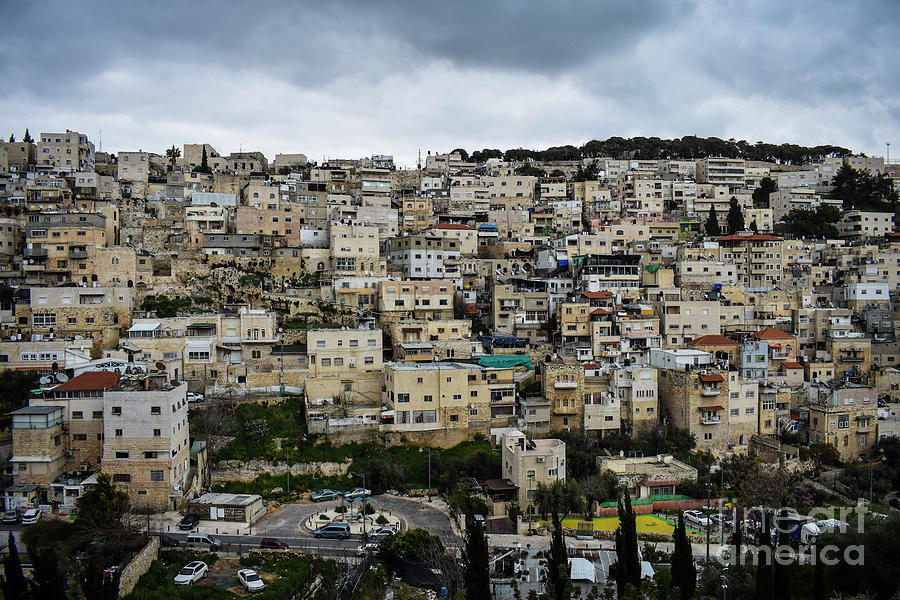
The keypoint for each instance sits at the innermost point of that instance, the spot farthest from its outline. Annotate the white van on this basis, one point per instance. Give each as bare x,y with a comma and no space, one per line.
202,539
31,516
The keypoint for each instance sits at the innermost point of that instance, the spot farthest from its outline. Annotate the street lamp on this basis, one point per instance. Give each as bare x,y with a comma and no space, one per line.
429,470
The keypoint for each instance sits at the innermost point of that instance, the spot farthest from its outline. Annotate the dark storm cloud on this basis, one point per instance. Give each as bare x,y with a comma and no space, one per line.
348,75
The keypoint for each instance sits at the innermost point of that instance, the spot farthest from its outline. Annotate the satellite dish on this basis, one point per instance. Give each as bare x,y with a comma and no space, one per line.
160,366
62,377
70,482
621,453
45,380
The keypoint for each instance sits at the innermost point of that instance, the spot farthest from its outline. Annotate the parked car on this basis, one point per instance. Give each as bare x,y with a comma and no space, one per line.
31,516
339,531
168,541
191,573
696,518
381,533
195,398
272,544
720,519
322,495
357,494
202,539
11,516
366,548
189,522
251,580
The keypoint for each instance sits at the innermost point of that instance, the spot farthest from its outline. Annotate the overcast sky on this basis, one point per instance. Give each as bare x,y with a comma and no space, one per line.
346,78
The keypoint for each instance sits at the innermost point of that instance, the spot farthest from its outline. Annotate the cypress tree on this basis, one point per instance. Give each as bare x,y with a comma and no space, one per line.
712,223
204,163
684,573
475,558
14,585
735,216
628,566
764,568
27,137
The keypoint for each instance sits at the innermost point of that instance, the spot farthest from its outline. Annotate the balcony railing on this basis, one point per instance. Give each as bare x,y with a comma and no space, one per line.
565,385
710,391
711,420
35,252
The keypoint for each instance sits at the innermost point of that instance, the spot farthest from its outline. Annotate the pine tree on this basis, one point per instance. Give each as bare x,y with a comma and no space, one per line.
735,216
12,138
204,163
475,558
684,573
27,137
754,227
712,223
14,585
628,566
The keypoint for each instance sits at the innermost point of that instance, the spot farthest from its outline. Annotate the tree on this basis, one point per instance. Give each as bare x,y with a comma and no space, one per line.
173,154
817,224
27,137
462,153
558,499
753,226
597,488
735,216
628,566
204,162
14,584
712,223
684,573
475,559
761,194
529,169
12,138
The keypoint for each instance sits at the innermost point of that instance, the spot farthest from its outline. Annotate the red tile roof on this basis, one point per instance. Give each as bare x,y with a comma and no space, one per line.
601,311
712,340
711,378
597,295
756,237
92,380
789,364
452,226
770,333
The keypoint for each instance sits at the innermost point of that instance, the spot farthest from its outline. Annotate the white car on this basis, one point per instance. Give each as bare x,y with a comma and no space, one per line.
31,516
367,548
251,580
697,518
194,398
191,573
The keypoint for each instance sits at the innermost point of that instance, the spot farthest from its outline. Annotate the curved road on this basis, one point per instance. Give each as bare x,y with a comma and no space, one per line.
288,521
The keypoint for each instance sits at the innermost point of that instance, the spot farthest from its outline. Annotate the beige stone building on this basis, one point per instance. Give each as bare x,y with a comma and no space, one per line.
563,382
530,462
38,445
758,258
69,152
399,300
637,389
845,417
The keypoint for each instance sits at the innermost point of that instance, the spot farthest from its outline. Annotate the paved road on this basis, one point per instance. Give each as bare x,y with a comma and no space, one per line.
288,521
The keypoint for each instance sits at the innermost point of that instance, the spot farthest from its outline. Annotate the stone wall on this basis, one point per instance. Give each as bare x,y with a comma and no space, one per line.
237,470
138,566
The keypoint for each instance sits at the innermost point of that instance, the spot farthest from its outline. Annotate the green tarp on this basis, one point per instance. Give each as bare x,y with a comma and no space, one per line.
504,361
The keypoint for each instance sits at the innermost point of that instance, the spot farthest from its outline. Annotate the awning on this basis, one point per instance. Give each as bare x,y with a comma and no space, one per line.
144,327
711,408
202,325
581,569
711,378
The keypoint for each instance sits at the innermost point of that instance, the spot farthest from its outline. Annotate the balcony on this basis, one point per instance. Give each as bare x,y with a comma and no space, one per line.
36,252
565,410
778,355
710,420
78,253
848,357
565,385
710,391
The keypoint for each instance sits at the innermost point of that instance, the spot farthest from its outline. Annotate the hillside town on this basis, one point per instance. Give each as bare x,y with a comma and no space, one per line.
214,335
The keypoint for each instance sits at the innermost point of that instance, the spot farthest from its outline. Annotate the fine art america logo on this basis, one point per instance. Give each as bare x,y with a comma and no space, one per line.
796,537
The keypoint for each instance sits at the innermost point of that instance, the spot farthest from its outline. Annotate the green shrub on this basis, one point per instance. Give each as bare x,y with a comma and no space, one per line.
382,520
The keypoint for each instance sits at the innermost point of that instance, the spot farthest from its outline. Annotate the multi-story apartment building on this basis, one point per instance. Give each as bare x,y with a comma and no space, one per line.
355,251
683,320
59,246
346,364
722,171
95,313
758,258
636,387
530,462
146,446
608,272
845,417
563,383
426,257
858,225
521,307
431,299
69,152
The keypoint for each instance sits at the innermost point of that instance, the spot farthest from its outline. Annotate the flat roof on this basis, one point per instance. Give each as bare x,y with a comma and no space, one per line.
36,410
144,327
223,499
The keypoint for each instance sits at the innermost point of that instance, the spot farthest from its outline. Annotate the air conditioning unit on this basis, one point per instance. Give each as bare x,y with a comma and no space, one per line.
83,468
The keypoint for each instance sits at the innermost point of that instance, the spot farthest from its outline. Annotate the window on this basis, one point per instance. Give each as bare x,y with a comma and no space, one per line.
155,410
122,478
156,476
198,355
121,454
118,433
157,432
98,414
326,362
369,360
402,397
77,414
117,411
79,437
339,362
428,399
